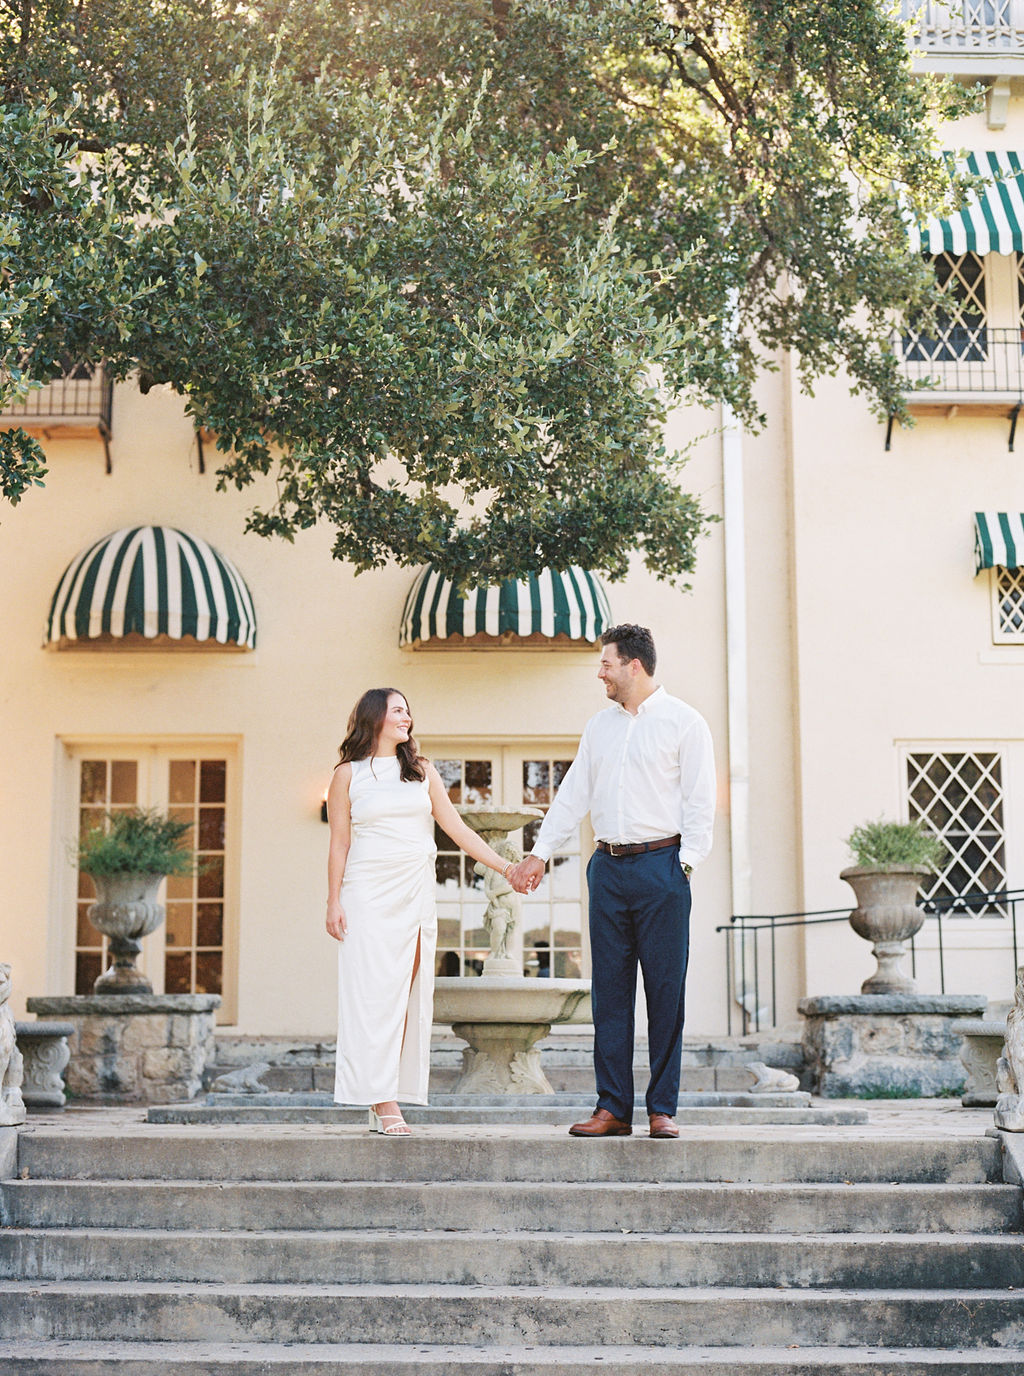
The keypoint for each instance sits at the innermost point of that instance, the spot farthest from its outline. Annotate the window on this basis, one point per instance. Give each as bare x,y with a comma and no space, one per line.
960,329
960,797
191,951
552,916
1008,606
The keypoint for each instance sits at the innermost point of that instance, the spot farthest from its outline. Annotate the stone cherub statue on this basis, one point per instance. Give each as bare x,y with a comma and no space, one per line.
12,1106
1010,1069
502,911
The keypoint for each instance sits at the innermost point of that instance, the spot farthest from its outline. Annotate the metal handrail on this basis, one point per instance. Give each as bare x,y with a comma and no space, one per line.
743,968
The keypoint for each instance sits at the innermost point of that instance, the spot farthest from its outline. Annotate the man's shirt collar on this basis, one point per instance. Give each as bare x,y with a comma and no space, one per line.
649,701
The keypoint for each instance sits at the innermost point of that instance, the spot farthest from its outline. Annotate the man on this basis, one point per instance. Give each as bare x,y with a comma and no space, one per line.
645,772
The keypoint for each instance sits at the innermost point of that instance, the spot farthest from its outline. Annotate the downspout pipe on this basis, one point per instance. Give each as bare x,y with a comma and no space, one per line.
737,690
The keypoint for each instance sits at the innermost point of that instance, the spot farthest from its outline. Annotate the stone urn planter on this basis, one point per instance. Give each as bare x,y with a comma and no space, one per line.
125,911
888,916
127,859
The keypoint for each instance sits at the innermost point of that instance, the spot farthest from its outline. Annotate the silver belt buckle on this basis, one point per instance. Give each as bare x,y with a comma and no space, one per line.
613,849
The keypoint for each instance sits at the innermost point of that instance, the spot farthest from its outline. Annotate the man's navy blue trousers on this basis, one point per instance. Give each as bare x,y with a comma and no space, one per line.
639,914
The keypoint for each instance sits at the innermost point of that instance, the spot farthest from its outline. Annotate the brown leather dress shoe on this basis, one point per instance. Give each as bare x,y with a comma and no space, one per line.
602,1124
663,1126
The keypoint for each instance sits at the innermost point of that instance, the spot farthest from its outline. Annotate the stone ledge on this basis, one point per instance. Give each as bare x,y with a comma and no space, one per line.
121,1005
1013,1154
844,1005
8,1153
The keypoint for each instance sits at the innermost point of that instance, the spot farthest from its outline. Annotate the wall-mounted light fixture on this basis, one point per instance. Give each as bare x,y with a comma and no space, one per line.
323,808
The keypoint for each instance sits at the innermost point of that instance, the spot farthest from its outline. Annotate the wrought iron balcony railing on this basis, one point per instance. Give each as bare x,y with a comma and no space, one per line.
993,27
973,359
82,395
76,405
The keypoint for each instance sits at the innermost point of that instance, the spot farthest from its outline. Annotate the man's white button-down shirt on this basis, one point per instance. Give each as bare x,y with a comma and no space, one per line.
641,778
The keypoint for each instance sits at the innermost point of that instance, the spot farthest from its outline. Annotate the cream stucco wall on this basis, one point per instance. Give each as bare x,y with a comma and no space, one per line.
324,636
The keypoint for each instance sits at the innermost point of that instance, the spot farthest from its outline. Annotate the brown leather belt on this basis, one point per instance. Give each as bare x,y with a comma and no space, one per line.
636,847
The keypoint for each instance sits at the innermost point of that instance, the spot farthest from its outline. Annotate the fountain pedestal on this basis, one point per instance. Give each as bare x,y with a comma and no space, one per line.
503,1014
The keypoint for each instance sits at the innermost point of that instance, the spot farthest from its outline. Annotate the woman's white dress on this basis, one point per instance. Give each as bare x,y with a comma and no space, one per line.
388,898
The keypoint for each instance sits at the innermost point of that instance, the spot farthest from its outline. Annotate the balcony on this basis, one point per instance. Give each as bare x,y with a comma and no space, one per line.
966,27
75,406
971,368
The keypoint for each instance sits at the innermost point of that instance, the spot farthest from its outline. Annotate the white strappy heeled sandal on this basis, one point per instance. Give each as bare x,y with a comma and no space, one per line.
389,1124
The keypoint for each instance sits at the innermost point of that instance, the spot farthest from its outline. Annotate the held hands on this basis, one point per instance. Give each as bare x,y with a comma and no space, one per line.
525,876
336,924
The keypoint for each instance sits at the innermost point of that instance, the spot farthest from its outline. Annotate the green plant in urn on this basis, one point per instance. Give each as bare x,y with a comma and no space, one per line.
892,858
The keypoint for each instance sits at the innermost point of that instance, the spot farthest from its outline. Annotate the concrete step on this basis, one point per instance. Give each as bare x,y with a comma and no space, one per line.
658,1317
297,1154
472,1258
571,1078
545,1207
513,1359
705,1109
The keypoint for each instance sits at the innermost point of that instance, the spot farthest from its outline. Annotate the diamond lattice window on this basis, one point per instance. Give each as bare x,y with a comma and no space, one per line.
960,330
960,797
1008,606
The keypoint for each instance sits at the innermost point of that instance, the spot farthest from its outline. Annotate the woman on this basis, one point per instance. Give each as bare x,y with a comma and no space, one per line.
382,805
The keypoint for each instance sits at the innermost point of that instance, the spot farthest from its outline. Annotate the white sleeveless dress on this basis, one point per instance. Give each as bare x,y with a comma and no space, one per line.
388,898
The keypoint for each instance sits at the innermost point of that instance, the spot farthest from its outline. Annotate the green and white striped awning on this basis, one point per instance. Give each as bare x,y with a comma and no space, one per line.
151,584
568,606
998,540
992,222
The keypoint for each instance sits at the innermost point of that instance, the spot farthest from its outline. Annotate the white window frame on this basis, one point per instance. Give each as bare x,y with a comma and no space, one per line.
1011,754
999,635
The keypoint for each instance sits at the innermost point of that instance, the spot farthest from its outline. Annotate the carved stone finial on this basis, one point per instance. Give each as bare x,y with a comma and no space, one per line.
1010,1069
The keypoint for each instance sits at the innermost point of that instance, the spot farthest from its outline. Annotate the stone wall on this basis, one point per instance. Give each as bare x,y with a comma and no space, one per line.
135,1048
865,1044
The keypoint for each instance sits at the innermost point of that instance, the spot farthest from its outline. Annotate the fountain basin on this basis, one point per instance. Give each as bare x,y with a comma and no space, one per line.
497,999
502,1020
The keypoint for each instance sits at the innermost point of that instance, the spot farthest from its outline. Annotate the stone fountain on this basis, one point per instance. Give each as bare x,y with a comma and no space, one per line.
503,1014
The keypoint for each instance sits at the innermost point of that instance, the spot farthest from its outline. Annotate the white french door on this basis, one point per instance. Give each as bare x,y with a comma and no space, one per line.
554,936
194,951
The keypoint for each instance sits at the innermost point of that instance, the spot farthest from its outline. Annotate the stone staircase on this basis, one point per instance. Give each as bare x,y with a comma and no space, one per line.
136,1249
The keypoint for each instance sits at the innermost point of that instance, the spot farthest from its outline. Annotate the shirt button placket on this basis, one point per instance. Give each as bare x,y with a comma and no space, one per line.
621,791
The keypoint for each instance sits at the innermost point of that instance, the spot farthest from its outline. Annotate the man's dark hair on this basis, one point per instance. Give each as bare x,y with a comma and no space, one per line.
632,642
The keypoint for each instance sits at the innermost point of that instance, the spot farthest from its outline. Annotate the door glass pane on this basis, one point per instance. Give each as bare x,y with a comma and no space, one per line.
462,941
124,782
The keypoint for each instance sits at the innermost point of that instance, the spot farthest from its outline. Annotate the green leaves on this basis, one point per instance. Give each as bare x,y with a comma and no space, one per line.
442,275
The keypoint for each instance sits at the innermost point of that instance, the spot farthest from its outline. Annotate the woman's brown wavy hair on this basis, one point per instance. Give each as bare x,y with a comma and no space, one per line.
364,726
